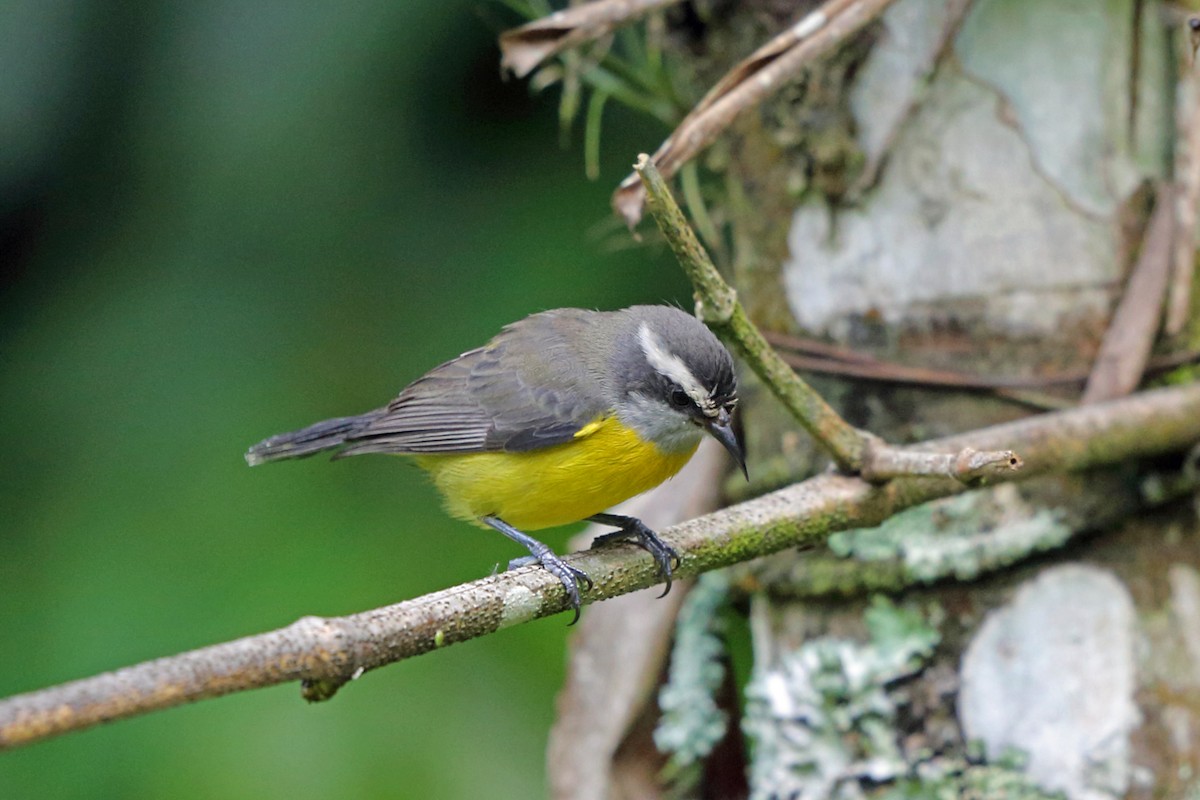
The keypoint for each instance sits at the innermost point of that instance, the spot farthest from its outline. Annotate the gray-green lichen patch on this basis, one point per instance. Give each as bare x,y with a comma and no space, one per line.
954,779
959,537
1053,673
822,717
692,723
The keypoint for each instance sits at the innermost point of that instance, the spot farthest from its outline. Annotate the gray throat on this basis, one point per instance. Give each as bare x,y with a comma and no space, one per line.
670,432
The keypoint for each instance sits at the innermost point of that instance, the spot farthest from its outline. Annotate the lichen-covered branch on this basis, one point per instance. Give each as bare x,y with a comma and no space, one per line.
965,536
326,653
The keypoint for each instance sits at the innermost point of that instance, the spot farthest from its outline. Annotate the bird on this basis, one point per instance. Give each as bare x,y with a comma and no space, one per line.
560,416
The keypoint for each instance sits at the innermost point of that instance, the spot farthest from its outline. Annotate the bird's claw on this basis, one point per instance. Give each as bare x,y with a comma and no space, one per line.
542,554
636,531
570,576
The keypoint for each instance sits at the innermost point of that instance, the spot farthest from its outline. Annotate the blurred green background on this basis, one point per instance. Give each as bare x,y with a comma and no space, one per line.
220,221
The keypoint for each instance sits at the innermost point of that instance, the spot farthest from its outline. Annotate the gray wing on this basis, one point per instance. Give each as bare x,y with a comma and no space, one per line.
497,397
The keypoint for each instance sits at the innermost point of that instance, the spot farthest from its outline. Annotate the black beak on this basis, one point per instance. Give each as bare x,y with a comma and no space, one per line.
721,429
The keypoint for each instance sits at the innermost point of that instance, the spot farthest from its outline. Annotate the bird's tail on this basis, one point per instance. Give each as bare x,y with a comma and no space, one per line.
326,435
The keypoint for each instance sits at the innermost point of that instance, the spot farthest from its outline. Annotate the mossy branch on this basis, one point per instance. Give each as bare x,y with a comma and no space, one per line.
325,653
854,451
718,307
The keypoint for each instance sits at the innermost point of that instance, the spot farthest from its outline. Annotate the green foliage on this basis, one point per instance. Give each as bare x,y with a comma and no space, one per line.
239,219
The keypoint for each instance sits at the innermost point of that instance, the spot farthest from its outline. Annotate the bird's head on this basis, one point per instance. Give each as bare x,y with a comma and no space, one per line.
676,380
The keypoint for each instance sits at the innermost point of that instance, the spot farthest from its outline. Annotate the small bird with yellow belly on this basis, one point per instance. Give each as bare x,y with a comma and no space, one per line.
560,416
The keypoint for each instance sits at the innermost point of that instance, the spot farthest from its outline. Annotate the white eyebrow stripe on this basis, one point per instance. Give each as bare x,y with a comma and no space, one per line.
670,365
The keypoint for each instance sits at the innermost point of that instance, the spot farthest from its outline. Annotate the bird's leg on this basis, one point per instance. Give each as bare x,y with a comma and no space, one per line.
634,530
570,576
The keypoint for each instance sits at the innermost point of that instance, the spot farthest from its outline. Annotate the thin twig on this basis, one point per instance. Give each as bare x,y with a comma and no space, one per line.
717,305
813,355
925,378
327,653
523,49
754,79
816,347
1125,348
817,356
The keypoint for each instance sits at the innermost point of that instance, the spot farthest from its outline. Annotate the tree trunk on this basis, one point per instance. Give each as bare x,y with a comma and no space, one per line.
962,186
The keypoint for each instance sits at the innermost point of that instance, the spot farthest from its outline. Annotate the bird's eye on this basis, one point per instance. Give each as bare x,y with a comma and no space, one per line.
679,398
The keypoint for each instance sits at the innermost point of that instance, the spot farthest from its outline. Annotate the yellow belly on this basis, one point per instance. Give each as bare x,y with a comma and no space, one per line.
606,464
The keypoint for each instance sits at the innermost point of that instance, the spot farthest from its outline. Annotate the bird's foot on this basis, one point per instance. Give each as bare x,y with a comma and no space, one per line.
634,530
570,576
540,553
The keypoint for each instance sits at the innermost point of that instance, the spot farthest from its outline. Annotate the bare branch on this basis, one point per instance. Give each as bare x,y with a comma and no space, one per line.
523,49
326,653
968,466
754,79
849,363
